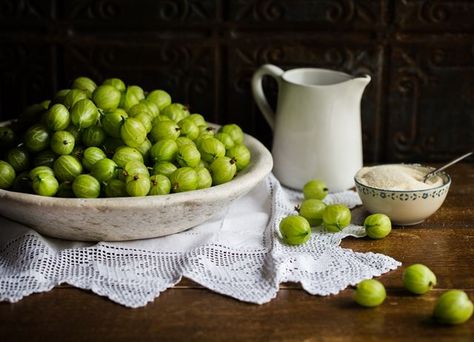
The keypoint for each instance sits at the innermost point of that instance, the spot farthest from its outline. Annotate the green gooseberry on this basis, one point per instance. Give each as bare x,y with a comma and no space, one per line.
46,158
18,158
140,107
22,183
453,307
115,188
138,185
45,104
7,175
370,293
184,141
132,95
377,226
198,120
188,155
188,129
184,179
36,138
164,150
204,178
67,167
135,167
84,114
315,188
225,139
211,149
223,170
45,185
151,107
84,83
92,155
7,137
86,186
164,130
137,91
234,131
112,121
145,149
160,185
93,136
241,154
164,168
65,190
336,217
128,100
60,96
175,111
62,142
159,118
104,170
418,279
74,96
160,98
40,171
132,132
295,230
107,97
146,119
312,210
115,82
124,154
57,117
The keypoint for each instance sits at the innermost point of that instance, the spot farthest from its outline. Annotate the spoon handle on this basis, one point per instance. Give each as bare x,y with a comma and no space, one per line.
454,161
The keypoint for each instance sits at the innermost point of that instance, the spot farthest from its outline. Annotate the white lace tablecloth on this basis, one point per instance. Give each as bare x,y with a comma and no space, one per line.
238,254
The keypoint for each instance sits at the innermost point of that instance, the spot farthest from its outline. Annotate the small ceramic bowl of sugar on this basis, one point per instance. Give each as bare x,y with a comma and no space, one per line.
398,191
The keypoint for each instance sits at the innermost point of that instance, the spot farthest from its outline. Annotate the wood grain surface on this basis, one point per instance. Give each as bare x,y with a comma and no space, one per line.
189,312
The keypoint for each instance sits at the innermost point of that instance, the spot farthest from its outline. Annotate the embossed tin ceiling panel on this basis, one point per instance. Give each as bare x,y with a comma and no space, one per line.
418,107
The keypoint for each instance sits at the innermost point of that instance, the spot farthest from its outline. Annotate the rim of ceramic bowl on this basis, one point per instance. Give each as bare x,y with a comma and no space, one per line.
445,184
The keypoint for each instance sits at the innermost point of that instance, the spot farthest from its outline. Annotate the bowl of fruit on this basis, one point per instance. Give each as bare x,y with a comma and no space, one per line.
112,162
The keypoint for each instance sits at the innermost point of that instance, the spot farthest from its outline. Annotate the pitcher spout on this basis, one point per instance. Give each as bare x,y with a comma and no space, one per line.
358,85
362,81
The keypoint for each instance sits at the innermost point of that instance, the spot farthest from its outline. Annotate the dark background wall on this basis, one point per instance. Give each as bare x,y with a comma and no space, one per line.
420,54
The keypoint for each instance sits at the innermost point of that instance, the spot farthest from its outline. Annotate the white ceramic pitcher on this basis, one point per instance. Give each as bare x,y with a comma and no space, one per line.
317,126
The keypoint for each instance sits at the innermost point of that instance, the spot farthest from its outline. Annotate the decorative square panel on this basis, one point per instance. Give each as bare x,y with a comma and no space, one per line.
431,103
145,13
434,15
337,14
185,70
26,13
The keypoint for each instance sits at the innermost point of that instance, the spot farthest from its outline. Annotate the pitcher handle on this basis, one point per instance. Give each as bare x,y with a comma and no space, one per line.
257,90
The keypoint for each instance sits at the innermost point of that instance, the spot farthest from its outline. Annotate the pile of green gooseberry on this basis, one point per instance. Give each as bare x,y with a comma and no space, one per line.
452,307
313,212
114,140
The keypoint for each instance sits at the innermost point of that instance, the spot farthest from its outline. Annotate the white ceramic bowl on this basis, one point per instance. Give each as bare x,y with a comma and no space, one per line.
131,218
402,206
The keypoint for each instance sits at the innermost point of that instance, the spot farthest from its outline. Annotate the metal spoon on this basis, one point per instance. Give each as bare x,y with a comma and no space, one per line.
432,173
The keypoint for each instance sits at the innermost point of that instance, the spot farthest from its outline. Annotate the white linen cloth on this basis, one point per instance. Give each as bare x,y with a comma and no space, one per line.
238,253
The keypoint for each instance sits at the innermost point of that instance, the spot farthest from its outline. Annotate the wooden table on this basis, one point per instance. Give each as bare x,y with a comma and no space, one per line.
445,242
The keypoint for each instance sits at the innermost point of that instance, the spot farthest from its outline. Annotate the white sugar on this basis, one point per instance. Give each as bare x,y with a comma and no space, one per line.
397,177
